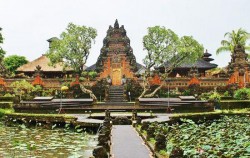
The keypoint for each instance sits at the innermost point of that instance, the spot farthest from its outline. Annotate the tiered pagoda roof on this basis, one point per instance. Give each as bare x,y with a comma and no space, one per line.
112,38
206,56
200,64
203,63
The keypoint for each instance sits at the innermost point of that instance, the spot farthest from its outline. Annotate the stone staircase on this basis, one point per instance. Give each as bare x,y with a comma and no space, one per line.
116,94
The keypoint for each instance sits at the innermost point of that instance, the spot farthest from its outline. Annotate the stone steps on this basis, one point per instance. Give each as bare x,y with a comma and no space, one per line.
116,94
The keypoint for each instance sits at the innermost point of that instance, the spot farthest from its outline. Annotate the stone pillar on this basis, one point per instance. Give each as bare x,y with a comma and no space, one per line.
100,152
160,143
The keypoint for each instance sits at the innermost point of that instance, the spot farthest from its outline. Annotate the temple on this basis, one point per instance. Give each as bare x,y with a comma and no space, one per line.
117,62
116,59
239,68
198,68
42,64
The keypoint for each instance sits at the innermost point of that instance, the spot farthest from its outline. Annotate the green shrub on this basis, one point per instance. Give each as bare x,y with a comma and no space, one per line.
6,98
5,111
92,74
234,104
8,95
215,97
206,96
5,105
226,94
134,88
242,94
186,92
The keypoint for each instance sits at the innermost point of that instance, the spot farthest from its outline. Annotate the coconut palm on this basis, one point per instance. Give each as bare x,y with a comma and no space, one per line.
236,38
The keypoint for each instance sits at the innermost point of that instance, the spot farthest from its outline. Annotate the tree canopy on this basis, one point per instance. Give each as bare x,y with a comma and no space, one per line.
73,48
2,52
236,38
12,62
163,45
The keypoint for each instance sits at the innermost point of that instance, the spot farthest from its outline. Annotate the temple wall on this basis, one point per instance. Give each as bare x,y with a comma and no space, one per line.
174,82
48,83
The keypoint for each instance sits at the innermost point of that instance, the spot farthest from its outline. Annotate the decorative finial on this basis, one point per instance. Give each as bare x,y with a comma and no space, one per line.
116,25
206,50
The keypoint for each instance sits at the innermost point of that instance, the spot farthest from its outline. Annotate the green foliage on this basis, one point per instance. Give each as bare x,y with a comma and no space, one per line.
225,137
6,105
12,62
2,52
186,92
195,89
73,47
236,38
205,96
84,74
92,74
242,94
215,97
8,95
99,89
37,90
78,93
134,88
5,111
22,88
164,45
39,142
226,94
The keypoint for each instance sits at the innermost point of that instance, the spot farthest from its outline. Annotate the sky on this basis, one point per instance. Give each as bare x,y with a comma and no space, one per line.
27,24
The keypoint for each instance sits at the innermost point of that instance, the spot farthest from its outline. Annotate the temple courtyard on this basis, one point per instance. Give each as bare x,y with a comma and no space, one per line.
124,79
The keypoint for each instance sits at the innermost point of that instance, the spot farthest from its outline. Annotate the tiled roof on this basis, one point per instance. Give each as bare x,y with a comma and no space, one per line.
200,63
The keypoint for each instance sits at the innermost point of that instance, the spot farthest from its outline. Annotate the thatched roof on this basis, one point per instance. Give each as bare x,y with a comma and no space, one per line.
43,62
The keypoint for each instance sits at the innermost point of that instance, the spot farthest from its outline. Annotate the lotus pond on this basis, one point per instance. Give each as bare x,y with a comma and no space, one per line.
37,142
227,137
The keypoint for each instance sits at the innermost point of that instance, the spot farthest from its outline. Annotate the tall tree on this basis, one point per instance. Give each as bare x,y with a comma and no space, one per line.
235,39
163,45
2,52
72,49
12,62
3,71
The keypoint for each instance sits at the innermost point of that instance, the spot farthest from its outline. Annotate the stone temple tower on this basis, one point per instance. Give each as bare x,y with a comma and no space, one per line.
116,59
239,67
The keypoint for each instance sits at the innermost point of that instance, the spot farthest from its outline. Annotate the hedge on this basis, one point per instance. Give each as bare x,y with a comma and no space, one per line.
234,104
2,98
6,105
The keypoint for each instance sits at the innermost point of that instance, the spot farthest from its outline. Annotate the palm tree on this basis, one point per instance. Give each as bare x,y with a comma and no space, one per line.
236,39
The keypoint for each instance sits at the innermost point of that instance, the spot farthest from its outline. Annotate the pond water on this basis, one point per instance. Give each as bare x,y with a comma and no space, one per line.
22,142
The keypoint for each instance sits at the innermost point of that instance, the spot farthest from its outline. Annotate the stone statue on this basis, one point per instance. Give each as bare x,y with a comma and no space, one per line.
124,80
109,80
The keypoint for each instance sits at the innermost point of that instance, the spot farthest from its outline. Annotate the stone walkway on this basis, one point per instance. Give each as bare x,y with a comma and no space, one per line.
126,143
159,118
84,118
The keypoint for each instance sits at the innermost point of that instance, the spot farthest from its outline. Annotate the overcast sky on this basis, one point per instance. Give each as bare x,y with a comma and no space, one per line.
27,24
